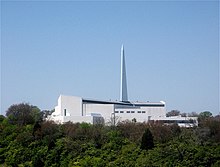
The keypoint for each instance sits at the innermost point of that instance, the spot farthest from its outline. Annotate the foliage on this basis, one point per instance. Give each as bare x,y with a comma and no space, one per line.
147,141
204,117
2,117
23,114
173,113
129,144
205,114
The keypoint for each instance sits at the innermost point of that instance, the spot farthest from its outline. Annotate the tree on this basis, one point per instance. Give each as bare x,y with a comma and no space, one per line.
184,114
114,120
2,117
193,114
205,114
46,113
147,141
23,114
173,113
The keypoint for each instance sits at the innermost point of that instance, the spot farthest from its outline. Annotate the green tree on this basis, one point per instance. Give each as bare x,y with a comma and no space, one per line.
203,118
205,114
46,113
2,117
23,114
147,141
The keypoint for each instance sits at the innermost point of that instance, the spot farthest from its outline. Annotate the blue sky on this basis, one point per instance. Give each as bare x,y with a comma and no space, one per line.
73,48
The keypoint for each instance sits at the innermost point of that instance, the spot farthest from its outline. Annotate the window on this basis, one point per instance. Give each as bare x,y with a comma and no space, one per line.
116,111
128,111
132,111
139,111
121,111
143,111
64,112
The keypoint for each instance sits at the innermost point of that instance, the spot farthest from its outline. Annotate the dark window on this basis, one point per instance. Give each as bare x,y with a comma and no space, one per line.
143,111
116,111
132,111
139,111
121,111
128,111
64,112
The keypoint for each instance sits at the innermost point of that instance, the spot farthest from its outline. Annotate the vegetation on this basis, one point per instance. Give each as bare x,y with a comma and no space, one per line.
173,113
44,143
147,141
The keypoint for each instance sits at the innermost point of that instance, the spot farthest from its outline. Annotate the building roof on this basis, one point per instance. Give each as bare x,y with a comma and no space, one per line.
139,104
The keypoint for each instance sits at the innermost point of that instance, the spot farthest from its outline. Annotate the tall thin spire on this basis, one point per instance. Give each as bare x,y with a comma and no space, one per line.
123,86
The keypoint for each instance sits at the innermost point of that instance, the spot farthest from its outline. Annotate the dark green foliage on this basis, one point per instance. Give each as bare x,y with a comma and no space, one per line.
2,117
23,114
205,114
46,143
147,141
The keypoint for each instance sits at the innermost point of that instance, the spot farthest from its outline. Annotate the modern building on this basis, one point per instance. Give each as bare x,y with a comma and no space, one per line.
78,109
179,120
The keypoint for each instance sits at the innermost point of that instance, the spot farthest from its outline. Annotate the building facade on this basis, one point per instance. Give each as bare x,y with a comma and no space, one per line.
77,109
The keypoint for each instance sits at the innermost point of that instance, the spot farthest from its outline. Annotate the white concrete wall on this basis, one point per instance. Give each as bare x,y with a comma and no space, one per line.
79,119
142,114
104,109
72,105
131,113
57,111
155,111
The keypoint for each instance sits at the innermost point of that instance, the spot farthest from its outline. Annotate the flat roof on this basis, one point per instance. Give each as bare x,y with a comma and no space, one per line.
147,104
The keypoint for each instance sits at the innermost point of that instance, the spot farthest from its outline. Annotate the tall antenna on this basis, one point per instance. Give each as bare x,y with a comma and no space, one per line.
123,86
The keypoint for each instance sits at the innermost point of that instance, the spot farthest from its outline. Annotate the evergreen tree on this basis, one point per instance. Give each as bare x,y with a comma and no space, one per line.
147,141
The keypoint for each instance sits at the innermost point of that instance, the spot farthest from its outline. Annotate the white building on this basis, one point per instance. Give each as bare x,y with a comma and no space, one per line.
77,109
181,121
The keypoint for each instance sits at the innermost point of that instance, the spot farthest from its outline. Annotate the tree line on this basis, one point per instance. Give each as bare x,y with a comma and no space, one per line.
27,139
